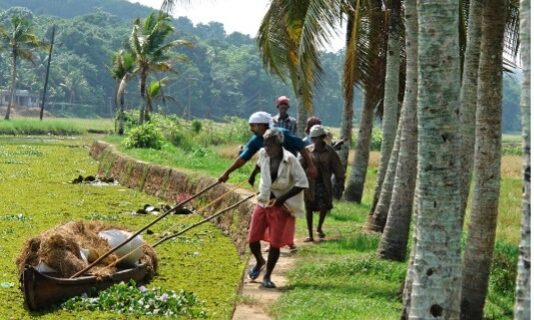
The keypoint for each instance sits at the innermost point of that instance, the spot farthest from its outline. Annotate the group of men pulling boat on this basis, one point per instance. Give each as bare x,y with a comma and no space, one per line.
286,190
289,187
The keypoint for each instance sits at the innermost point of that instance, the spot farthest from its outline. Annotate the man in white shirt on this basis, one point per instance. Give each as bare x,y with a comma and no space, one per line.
280,199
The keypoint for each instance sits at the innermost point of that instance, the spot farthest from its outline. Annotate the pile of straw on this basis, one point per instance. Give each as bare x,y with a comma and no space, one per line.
60,248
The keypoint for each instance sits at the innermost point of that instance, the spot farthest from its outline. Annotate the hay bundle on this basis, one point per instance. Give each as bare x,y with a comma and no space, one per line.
70,247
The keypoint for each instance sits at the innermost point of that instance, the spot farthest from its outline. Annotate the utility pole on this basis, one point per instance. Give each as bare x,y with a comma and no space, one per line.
47,72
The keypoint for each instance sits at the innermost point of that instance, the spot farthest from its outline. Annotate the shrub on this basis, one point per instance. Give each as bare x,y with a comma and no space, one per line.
128,299
504,268
376,140
511,150
180,139
131,119
144,136
196,125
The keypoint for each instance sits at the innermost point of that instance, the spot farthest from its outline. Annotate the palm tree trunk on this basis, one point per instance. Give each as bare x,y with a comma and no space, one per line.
301,118
148,108
349,70
522,304
377,218
468,97
41,112
142,88
410,271
354,190
346,132
301,111
394,240
485,208
120,101
13,86
391,101
436,265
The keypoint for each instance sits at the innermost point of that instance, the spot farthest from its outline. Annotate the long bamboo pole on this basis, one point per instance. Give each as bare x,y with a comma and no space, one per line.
110,251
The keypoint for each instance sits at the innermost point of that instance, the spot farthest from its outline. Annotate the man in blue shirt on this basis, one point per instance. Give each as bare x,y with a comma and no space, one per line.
259,123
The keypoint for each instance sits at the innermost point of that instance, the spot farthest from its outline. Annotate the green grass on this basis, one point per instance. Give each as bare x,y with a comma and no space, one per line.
37,195
200,160
54,126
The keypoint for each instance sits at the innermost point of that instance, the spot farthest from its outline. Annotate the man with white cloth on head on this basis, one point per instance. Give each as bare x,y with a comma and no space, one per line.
259,123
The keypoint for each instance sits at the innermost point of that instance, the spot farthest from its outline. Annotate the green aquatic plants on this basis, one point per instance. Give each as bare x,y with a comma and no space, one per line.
37,195
127,298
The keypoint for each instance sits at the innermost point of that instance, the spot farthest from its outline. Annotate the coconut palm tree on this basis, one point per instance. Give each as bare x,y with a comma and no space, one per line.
468,96
373,42
121,70
485,206
391,93
152,52
522,304
155,90
394,240
21,42
436,273
376,219
289,38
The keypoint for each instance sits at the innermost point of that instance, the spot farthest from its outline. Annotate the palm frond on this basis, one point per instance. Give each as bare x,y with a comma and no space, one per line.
273,40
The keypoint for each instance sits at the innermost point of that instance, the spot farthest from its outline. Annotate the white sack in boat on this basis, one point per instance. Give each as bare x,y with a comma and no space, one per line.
115,237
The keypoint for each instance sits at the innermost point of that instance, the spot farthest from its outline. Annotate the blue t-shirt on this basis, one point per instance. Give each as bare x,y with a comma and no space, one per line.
291,143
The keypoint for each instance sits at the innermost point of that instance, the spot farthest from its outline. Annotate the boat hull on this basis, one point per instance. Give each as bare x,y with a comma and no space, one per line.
43,291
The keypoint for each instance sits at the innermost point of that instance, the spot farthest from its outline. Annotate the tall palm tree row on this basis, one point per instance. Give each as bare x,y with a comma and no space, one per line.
152,52
437,273
21,42
485,205
394,240
522,305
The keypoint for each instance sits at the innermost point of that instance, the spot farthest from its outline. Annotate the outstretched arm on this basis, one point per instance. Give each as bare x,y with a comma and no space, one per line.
238,163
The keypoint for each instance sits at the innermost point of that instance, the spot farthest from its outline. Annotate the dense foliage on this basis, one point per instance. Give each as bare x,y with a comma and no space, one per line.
224,75
126,298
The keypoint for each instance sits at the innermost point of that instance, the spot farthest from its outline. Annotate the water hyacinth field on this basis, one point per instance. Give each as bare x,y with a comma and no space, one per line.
37,195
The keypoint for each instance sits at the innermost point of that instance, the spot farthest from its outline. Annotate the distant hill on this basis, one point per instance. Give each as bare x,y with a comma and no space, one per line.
73,8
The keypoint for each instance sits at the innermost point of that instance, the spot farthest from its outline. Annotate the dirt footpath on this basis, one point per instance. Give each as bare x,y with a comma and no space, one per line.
255,301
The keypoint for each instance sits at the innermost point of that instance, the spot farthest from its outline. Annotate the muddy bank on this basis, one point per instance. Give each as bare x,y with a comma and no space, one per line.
169,183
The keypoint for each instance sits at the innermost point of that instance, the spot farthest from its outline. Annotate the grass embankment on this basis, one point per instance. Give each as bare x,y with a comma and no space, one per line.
201,160
54,126
342,278
37,195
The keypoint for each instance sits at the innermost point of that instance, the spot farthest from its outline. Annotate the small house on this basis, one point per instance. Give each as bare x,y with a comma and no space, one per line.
22,98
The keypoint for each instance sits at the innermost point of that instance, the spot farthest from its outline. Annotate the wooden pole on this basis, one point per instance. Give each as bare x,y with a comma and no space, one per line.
110,251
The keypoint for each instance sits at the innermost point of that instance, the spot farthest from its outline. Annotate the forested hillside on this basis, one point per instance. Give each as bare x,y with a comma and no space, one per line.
223,77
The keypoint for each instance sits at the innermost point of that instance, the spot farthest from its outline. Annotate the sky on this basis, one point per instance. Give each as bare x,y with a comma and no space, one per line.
237,15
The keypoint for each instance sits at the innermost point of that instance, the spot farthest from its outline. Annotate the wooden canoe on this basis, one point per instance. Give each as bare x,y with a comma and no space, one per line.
44,290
